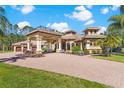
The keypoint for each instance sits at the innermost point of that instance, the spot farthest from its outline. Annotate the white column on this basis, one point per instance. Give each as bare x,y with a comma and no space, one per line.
53,46
75,43
66,45
81,46
28,44
38,41
56,46
87,44
70,45
14,48
60,45
50,46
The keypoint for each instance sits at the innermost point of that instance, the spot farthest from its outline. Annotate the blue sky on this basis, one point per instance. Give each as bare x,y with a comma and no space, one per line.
61,17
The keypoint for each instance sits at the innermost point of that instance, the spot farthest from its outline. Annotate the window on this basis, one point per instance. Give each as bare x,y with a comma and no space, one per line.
91,43
86,33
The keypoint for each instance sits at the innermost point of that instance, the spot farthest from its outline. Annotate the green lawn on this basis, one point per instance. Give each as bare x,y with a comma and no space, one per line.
20,77
117,58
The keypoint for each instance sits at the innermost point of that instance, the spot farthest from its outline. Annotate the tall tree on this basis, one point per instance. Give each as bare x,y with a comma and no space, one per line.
4,26
16,28
26,29
4,22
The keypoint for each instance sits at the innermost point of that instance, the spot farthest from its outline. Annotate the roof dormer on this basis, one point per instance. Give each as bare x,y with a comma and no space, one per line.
92,31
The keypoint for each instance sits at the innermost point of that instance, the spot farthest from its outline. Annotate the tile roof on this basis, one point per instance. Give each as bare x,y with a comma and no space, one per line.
71,37
45,31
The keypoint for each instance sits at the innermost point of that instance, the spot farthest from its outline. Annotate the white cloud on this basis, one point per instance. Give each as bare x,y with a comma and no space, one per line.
80,13
89,6
27,9
62,26
105,10
102,29
115,7
89,22
24,9
80,8
110,8
23,24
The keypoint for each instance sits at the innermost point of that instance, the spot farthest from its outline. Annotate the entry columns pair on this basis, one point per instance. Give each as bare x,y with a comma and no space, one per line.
38,43
70,44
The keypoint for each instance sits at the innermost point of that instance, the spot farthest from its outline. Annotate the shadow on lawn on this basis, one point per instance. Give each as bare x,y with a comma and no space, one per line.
18,56
14,59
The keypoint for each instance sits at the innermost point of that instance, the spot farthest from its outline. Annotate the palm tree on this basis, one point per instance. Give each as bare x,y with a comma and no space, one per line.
117,24
102,43
112,40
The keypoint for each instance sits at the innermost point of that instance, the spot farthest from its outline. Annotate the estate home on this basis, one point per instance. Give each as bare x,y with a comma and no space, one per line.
57,42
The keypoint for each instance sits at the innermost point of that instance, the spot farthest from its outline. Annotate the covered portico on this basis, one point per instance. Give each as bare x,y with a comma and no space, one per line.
53,40
71,39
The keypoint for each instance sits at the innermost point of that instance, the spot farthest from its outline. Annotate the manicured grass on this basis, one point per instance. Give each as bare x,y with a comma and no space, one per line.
117,58
20,77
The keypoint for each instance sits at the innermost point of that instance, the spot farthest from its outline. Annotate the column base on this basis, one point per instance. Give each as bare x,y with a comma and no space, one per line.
68,51
39,52
59,51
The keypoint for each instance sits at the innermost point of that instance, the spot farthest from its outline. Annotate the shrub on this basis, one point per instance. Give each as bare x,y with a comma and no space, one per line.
76,50
86,51
44,49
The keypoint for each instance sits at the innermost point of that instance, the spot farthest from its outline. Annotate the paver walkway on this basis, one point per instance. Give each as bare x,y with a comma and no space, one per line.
85,67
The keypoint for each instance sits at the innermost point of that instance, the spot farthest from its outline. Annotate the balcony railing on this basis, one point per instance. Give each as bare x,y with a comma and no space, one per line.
93,47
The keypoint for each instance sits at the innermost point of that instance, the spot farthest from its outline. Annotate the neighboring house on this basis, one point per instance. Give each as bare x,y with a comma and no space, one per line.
58,42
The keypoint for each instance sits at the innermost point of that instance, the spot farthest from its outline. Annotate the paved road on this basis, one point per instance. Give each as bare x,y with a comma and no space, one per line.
85,67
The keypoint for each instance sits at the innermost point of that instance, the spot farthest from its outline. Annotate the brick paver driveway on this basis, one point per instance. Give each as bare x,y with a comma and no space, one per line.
85,67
